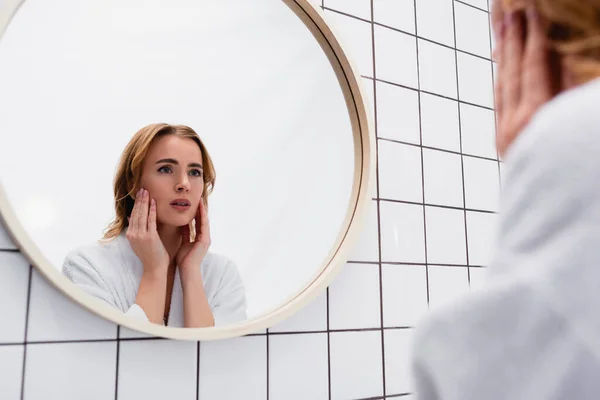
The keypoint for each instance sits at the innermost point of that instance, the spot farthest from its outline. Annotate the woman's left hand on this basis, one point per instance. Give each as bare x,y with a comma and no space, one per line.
191,254
524,81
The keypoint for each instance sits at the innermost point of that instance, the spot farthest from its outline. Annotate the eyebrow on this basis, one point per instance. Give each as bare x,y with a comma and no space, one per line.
174,161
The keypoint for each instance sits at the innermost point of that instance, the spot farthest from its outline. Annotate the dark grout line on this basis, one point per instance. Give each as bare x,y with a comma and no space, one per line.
441,96
328,348
459,153
117,362
9,251
376,127
26,332
439,206
495,106
472,6
462,165
268,371
416,264
198,370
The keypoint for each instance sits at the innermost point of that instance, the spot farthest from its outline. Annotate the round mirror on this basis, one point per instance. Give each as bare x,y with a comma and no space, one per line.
188,169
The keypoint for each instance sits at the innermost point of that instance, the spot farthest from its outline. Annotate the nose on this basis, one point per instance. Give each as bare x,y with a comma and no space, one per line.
183,185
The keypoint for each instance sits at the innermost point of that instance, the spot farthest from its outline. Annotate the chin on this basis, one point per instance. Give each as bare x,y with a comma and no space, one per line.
176,220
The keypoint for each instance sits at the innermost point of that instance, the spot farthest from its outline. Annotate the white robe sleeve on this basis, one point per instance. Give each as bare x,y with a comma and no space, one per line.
230,298
79,270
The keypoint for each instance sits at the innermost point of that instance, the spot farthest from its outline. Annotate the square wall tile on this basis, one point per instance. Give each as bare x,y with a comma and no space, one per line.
367,246
357,8
11,369
355,38
396,57
435,21
478,277
482,187
446,284
298,367
399,14
14,283
157,369
397,113
443,178
347,310
400,175
53,317
313,317
475,80
445,236
437,69
481,233
439,122
483,4
241,360
472,30
402,232
6,242
478,130
404,294
398,371
356,365
71,371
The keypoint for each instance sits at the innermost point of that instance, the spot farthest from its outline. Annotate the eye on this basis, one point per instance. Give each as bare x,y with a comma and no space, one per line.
196,172
164,169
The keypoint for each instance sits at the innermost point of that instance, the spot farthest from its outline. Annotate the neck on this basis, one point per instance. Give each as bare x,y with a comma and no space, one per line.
170,237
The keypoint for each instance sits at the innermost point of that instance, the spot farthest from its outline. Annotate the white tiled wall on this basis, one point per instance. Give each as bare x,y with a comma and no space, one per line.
426,241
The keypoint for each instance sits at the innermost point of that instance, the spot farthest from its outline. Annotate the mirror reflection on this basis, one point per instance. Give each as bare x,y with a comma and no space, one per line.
188,163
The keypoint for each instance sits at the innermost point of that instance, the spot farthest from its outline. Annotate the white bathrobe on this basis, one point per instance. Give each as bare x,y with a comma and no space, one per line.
112,272
534,331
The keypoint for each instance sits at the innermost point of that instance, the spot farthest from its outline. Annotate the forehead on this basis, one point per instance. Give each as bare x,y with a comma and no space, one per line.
172,146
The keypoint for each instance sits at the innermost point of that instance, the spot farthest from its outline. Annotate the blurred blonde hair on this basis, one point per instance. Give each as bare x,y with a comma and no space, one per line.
129,172
573,28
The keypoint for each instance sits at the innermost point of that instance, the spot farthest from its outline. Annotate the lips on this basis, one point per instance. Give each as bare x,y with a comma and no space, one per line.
180,203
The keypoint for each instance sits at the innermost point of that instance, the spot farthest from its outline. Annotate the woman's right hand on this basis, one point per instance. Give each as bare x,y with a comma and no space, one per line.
143,236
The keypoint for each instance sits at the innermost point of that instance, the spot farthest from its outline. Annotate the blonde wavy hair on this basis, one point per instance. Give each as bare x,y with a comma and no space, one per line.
129,172
573,28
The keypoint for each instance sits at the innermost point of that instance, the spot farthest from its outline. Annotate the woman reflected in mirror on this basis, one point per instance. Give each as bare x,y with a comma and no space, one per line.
154,261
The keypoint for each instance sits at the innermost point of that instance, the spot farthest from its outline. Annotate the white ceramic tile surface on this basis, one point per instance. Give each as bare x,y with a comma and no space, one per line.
475,80
354,298
472,30
356,365
442,174
71,371
447,284
5,241
435,21
437,69
355,38
234,368
481,231
404,294
482,4
14,280
402,232
478,277
298,367
157,369
399,14
400,176
313,317
54,317
396,57
398,377
445,236
478,130
11,370
397,113
481,184
367,246
358,8
439,122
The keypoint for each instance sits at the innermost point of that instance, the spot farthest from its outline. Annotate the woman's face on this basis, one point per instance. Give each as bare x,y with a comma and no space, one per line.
172,173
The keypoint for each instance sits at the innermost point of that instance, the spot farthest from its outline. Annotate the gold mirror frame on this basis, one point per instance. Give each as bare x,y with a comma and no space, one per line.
360,198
